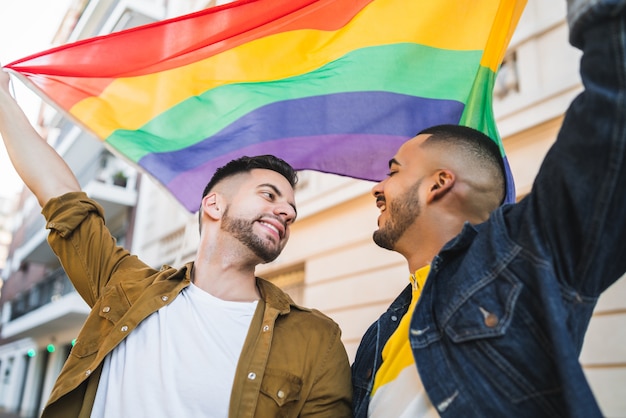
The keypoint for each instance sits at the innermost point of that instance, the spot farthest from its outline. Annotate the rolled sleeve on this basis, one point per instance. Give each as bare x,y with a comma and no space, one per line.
65,213
85,247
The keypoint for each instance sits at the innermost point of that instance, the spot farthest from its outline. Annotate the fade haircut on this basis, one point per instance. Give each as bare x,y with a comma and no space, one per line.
473,144
245,165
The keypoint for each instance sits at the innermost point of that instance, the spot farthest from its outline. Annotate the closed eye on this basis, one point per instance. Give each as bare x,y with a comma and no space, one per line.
393,167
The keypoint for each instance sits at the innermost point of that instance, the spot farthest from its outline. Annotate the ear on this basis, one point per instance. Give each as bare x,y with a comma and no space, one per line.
211,206
443,181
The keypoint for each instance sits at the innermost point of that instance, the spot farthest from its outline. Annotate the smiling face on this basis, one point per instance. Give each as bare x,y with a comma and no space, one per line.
398,196
260,212
401,213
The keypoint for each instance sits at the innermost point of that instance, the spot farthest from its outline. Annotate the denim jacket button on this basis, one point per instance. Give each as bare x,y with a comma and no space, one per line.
491,320
394,318
419,332
436,263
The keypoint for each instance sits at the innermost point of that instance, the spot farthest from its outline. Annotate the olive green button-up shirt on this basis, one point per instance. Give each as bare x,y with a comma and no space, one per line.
293,362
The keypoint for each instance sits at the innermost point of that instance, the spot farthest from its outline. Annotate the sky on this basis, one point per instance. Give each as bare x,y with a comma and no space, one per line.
26,27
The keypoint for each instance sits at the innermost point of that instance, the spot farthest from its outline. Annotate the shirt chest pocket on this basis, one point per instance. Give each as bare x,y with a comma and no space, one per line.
113,304
109,309
282,391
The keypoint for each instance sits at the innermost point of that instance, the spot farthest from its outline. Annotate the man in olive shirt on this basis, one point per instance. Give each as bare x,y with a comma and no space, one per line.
208,339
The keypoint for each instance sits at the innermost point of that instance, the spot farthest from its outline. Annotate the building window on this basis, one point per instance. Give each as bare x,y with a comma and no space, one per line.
290,280
171,245
507,80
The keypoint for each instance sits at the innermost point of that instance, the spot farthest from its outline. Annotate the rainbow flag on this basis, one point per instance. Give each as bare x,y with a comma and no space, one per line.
328,85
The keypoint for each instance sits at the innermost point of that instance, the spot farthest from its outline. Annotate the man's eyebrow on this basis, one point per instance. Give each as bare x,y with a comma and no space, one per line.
278,193
392,162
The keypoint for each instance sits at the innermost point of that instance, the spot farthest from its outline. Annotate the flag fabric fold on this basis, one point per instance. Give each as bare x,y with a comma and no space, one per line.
328,85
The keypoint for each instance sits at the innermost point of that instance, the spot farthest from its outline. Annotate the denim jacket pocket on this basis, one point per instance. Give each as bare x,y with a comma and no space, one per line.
518,366
486,312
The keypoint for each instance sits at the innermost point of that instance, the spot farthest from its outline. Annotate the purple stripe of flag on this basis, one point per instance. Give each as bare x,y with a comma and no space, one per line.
371,113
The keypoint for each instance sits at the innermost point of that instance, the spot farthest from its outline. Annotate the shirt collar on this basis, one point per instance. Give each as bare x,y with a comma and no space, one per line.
418,278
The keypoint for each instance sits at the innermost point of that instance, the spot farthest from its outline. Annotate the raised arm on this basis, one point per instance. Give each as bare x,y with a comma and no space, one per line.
41,168
576,209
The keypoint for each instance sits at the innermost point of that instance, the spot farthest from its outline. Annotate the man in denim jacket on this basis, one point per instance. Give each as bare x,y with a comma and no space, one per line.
502,295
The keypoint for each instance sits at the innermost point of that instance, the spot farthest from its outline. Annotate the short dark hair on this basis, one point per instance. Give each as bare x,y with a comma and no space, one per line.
474,144
244,165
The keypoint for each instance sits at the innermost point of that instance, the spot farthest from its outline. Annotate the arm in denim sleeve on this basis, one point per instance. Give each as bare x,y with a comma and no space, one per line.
577,206
83,244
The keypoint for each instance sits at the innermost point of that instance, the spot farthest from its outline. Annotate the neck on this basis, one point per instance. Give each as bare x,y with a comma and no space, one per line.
225,284
228,275
423,242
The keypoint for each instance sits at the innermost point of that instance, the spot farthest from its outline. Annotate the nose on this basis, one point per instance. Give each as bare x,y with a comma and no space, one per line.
378,188
286,212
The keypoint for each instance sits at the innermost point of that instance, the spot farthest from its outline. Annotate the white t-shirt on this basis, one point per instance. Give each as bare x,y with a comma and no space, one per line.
178,362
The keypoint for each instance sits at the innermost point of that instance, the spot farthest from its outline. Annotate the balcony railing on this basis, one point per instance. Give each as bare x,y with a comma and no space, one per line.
53,287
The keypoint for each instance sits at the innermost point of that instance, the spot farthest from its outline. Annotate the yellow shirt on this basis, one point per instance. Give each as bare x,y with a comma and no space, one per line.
398,390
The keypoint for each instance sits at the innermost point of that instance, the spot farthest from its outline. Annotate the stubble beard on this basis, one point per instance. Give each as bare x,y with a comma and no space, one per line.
243,230
403,211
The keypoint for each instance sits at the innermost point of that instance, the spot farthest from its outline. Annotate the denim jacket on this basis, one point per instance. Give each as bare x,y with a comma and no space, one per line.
502,317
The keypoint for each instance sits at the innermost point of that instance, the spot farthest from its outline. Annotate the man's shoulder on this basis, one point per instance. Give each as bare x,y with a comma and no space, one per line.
290,310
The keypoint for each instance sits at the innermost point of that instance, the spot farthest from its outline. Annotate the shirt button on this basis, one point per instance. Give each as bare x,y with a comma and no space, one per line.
164,298
266,328
251,375
88,372
280,394
106,309
124,328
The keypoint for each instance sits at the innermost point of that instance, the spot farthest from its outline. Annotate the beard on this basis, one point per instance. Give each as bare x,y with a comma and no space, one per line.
403,211
242,230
